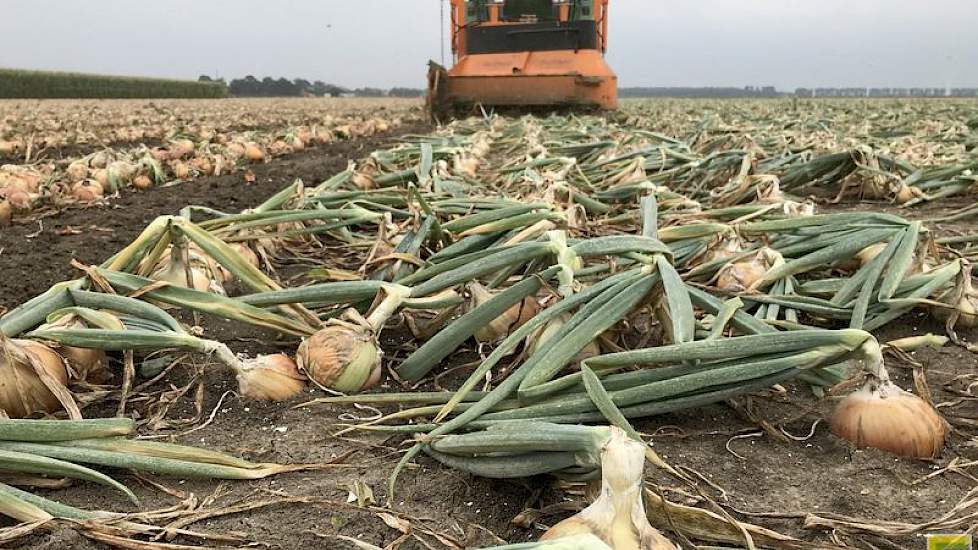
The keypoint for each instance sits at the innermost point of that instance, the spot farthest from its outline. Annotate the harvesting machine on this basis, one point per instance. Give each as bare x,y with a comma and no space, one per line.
525,53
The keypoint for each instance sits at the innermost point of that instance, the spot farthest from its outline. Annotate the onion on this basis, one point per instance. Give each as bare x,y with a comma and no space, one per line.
180,148
253,152
235,150
203,165
174,271
246,253
142,182
512,319
19,201
87,191
77,170
617,516
22,391
161,154
363,181
88,364
885,417
342,358
743,274
17,183
180,170
907,193
966,306
278,147
101,175
100,159
270,378
120,174
6,213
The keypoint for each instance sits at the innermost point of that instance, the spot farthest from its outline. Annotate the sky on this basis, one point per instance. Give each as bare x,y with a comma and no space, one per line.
386,43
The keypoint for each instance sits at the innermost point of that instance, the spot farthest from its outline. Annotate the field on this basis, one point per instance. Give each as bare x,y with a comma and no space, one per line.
18,83
843,223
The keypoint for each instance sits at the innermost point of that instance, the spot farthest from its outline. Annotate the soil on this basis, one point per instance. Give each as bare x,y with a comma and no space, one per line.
754,475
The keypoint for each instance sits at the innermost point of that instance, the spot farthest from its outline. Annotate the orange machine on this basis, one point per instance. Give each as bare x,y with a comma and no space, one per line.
525,53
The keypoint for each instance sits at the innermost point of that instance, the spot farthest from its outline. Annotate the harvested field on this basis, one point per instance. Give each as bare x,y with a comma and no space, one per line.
686,191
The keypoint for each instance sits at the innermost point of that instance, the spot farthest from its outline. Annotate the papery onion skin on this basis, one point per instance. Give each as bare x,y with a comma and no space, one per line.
270,378
22,392
885,417
739,276
340,358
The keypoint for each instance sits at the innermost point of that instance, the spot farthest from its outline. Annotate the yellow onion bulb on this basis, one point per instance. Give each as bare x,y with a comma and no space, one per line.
966,306
270,378
88,364
246,253
174,271
883,416
180,148
907,193
743,274
341,358
87,191
142,182
510,320
22,392
235,150
867,254
20,201
253,152
101,175
180,169
77,170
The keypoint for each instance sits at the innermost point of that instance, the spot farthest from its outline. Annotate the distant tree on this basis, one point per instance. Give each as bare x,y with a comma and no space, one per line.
335,91
302,85
405,92
368,92
204,78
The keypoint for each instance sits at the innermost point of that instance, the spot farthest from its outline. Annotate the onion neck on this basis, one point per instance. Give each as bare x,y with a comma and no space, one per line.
566,260
222,353
394,297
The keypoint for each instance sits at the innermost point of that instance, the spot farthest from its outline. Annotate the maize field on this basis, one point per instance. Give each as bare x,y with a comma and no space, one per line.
16,83
685,324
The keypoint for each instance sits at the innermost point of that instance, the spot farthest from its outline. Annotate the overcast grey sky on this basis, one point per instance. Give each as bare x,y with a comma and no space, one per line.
786,43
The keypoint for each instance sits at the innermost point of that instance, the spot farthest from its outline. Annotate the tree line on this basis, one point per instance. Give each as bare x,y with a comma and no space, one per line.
250,86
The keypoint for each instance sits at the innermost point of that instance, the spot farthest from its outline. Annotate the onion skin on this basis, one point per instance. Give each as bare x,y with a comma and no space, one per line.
142,182
885,417
87,191
617,515
6,213
740,276
22,392
512,319
88,364
253,153
270,378
340,358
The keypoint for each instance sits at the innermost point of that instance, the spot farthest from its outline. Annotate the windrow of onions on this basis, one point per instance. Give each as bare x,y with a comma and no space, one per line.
183,155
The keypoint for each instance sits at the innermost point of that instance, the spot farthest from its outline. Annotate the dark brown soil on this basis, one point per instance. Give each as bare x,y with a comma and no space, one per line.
759,474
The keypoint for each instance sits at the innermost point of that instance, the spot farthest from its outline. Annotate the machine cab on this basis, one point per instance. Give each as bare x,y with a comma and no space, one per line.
503,26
